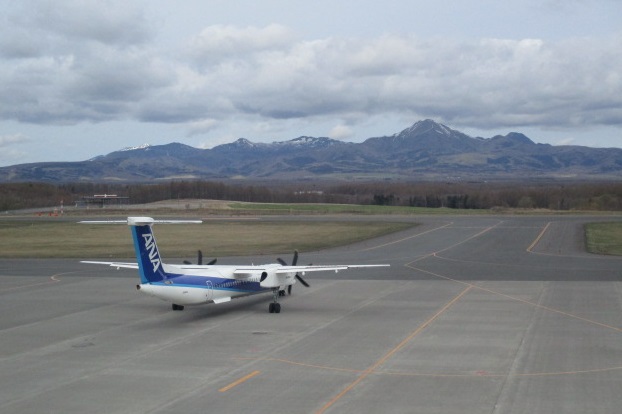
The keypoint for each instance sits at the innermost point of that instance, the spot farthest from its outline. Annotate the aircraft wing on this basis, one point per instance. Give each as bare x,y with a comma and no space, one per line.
254,270
325,268
118,265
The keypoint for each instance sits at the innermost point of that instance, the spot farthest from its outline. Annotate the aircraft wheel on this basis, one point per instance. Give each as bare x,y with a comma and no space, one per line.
271,308
277,308
177,307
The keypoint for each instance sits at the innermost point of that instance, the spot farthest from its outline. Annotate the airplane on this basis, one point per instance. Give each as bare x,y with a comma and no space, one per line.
187,284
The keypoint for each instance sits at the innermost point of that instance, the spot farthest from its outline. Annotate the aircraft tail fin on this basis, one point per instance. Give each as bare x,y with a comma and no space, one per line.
150,266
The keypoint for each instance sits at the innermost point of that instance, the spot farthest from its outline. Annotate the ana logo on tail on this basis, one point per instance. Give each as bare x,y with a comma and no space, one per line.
154,255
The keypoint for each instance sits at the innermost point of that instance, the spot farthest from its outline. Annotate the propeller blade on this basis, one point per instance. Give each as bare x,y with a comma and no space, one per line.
301,280
200,259
295,260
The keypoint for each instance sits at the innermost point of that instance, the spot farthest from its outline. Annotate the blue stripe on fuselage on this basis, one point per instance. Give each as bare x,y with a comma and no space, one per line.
217,283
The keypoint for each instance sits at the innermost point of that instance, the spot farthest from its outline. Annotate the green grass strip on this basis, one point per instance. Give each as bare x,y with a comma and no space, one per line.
604,238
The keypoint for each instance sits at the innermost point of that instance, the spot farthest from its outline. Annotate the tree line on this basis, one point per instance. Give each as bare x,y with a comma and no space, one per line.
604,196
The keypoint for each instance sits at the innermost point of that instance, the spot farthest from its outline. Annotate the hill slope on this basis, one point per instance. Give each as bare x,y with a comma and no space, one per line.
426,150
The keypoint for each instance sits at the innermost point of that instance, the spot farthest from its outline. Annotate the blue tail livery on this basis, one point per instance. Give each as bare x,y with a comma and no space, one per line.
149,262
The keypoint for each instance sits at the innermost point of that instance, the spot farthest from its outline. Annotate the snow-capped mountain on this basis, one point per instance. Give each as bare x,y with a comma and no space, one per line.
427,150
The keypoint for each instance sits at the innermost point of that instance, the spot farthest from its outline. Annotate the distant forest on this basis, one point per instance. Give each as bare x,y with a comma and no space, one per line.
605,196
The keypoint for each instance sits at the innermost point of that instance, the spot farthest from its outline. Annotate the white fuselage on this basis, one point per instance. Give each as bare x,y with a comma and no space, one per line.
195,285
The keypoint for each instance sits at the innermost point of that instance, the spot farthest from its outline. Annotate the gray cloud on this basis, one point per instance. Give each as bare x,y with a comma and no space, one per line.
118,23
487,83
69,62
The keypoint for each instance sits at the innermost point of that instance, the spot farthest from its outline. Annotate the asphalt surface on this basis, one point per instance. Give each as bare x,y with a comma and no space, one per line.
475,314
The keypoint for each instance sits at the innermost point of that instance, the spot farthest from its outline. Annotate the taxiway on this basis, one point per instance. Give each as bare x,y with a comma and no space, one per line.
492,314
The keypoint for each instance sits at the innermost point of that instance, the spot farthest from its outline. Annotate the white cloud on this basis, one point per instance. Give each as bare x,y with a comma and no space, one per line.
227,41
9,140
488,83
565,141
76,62
12,148
341,132
201,127
261,72
215,141
70,61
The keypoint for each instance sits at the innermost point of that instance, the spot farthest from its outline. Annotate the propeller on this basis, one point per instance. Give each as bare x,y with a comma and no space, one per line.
300,279
200,259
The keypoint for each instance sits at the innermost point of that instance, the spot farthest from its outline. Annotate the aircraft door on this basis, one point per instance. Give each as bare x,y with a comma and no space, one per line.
209,292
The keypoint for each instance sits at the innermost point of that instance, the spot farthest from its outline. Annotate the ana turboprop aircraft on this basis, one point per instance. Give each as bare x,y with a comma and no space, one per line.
188,284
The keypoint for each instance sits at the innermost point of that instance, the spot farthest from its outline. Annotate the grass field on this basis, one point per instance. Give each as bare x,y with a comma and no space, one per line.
48,239
604,238
276,209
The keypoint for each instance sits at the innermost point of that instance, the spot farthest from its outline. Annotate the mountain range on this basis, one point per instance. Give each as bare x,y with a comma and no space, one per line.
425,151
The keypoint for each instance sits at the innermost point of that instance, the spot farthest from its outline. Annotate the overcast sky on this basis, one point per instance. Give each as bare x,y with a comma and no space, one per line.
84,78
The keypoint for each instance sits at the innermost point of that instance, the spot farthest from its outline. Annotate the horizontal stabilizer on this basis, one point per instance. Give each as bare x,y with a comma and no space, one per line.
118,265
141,221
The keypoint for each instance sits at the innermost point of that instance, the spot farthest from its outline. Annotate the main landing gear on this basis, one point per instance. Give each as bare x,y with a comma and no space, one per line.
275,307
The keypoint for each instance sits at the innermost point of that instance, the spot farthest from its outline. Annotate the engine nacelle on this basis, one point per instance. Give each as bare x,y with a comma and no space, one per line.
269,280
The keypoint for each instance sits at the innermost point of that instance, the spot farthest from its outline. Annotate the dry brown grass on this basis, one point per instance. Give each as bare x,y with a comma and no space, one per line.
30,239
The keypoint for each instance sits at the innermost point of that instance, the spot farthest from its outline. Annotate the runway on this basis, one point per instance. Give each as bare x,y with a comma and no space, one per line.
495,314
